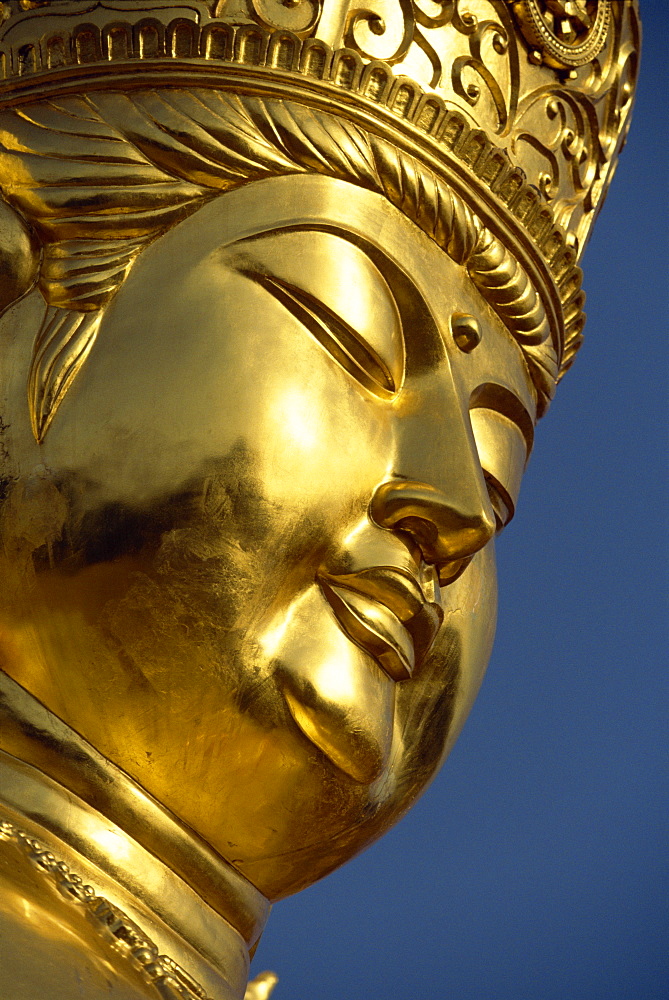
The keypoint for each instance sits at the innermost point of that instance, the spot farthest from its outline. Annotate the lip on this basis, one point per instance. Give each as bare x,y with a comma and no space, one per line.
384,611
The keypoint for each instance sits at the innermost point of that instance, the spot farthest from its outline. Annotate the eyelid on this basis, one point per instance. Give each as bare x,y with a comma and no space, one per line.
492,396
502,450
338,290
502,504
338,338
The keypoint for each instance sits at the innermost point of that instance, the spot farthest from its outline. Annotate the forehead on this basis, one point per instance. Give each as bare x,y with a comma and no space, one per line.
299,202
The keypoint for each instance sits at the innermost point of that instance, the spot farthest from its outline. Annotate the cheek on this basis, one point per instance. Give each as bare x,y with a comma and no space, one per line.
322,441
315,437
475,620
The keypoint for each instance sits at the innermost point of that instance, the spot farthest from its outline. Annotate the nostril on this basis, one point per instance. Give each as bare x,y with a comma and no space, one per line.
424,532
443,529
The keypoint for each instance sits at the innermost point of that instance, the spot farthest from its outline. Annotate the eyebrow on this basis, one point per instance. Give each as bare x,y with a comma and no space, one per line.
371,250
493,396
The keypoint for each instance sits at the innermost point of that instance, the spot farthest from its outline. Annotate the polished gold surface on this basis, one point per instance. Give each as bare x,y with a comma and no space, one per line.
283,299
234,575
95,891
32,734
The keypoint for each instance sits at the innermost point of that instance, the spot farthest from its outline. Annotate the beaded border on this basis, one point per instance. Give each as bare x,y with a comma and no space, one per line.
550,47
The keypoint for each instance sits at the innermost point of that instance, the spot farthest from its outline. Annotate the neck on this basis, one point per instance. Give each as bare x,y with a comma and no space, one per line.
104,881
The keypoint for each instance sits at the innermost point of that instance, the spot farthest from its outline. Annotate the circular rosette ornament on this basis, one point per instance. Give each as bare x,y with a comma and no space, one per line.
298,16
564,34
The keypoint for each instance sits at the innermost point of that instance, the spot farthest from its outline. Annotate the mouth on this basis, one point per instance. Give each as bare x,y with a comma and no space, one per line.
386,612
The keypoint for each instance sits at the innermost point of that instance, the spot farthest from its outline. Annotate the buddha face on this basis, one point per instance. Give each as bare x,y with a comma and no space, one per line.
253,561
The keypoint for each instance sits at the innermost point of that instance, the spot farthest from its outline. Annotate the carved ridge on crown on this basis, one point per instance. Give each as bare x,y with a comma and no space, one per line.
54,59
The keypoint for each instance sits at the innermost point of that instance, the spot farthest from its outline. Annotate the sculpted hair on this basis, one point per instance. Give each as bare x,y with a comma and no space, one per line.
101,176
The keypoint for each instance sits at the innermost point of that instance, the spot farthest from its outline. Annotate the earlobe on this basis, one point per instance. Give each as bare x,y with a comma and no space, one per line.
19,256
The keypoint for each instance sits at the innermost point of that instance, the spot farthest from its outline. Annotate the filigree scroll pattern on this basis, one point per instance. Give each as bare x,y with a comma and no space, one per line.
567,136
414,38
489,43
564,131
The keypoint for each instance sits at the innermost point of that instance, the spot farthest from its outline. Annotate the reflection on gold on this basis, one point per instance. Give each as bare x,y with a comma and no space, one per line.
295,416
284,293
113,844
334,683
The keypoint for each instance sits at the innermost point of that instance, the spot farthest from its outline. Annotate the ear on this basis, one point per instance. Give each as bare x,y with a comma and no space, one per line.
19,256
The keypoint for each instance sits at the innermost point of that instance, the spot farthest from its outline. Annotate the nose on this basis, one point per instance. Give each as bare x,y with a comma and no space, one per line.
437,494
444,531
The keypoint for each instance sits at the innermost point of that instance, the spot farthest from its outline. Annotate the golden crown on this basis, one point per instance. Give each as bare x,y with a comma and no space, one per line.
523,105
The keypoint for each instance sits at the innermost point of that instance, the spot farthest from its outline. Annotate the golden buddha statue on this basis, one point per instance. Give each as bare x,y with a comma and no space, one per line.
285,287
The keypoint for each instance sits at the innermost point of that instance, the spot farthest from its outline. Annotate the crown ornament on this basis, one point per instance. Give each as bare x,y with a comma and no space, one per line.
523,105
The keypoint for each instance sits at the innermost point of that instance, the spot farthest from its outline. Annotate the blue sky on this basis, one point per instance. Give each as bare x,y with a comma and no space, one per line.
532,868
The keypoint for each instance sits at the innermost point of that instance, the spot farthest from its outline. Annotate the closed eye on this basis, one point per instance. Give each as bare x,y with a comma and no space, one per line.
500,501
503,432
338,338
337,292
